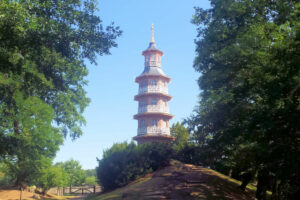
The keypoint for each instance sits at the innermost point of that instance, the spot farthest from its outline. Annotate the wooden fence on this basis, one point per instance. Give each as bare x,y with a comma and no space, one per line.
79,190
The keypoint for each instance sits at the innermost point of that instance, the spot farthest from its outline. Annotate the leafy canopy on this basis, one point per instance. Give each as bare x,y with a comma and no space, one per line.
248,57
44,47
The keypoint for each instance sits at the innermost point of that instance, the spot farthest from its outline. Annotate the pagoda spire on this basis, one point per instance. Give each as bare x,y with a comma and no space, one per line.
152,33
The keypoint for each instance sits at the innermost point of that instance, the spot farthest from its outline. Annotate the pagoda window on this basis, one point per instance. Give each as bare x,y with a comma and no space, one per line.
154,122
153,82
143,123
143,103
144,83
154,102
152,58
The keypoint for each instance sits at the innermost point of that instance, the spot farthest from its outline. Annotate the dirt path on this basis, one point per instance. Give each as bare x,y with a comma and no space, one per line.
12,194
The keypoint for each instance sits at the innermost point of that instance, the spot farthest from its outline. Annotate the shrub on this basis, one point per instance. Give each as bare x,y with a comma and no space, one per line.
125,162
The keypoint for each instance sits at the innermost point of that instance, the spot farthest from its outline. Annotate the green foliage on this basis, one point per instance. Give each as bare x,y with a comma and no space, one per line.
91,172
44,47
182,136
37,140
76,175
51,176
5,178
91,180
125,162
249,110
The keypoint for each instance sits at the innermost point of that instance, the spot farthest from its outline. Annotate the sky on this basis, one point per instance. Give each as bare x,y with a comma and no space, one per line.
112,86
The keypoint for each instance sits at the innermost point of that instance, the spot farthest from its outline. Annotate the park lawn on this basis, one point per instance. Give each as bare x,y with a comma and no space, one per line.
181,181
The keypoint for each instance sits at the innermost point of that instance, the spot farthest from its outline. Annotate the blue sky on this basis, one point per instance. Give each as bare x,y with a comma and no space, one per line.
111,84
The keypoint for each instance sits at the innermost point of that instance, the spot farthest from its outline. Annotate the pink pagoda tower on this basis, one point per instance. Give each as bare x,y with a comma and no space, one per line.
153,111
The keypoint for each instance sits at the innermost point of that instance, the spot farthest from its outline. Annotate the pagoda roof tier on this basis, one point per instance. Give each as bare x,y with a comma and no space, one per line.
153,94
154,114
153,138
152,49
150,72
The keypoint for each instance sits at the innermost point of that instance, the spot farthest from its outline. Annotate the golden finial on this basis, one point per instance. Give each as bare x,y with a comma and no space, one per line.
152,33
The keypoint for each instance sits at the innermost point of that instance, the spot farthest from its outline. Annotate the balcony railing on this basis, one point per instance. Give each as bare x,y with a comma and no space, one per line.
153,89
153,108
153,130
152,64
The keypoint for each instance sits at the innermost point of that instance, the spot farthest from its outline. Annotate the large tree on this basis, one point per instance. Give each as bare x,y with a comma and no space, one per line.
44,47
248,56
76,175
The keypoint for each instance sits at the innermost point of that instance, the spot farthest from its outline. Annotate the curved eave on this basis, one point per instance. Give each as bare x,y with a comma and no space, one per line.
139,96
147,51
149,138
137,79
154,114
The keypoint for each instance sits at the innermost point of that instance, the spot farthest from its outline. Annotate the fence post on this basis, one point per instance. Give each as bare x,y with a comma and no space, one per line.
63,190
82,191
94,189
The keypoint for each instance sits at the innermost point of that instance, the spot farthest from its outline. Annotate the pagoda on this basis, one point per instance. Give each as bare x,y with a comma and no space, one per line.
153,111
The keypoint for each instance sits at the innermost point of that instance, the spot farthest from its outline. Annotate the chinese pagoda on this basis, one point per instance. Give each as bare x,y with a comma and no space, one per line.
153,111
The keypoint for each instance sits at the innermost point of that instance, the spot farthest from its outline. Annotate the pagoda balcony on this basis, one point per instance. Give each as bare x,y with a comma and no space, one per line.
152,64
153,130
153,89
153,108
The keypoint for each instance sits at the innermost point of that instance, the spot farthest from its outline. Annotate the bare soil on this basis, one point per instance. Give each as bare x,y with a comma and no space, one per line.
13,194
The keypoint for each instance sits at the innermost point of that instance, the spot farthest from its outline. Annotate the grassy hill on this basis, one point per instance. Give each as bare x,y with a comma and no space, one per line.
181,181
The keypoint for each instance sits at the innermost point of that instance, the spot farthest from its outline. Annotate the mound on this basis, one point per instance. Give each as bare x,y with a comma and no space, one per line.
182,181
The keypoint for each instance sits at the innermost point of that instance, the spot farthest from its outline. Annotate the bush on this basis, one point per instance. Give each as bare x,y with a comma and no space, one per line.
125,162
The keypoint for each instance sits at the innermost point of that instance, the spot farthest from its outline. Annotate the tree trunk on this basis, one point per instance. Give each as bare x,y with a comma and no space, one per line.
262,184
21,190
246,178
230,173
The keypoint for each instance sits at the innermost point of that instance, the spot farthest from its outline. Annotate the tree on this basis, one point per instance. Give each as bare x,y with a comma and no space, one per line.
44,45
51,176
37,142
91,180
181,135
76,175
91,172
248,57
43,48
125,162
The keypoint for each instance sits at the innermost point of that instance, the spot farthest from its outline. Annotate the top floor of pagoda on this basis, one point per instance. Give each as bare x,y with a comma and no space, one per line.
152,46
152,62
